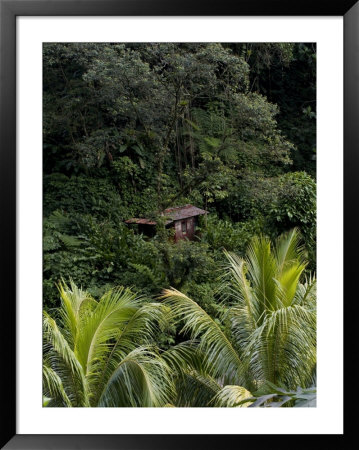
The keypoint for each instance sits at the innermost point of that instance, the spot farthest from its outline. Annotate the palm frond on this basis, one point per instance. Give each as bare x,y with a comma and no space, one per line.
142,378
73,299
186,356
262,271
287,283
306,293
53,387
111,314
232,396
213,341
240,286
195,389
62,360
141,329
283,349
288,249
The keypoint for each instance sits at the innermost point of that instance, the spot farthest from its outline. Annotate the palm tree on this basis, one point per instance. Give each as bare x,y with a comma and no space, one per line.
268,334
102,353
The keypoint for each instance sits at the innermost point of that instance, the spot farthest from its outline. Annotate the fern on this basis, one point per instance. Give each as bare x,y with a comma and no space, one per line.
70,241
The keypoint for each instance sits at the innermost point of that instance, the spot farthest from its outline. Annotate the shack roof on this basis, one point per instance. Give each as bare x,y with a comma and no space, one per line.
183,212
172,214
141,221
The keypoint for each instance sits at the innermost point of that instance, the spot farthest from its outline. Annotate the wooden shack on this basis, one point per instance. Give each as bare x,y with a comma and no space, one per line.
182,218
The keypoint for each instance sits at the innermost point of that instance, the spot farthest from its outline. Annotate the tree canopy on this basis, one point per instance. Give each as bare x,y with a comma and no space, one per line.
130,129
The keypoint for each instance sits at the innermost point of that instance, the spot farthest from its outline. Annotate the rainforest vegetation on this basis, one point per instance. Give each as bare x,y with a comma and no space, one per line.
227,319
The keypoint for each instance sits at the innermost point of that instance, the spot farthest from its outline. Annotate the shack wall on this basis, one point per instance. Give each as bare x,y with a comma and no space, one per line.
185,229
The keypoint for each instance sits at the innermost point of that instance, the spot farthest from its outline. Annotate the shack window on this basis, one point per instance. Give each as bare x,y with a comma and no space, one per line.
184,227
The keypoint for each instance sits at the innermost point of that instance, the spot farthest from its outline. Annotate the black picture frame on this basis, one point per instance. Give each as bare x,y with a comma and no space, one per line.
9,10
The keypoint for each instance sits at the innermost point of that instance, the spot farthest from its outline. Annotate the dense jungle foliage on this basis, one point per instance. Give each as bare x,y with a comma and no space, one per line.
131,129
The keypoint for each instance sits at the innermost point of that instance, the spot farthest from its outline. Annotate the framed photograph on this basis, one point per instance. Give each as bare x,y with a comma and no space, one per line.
173,180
